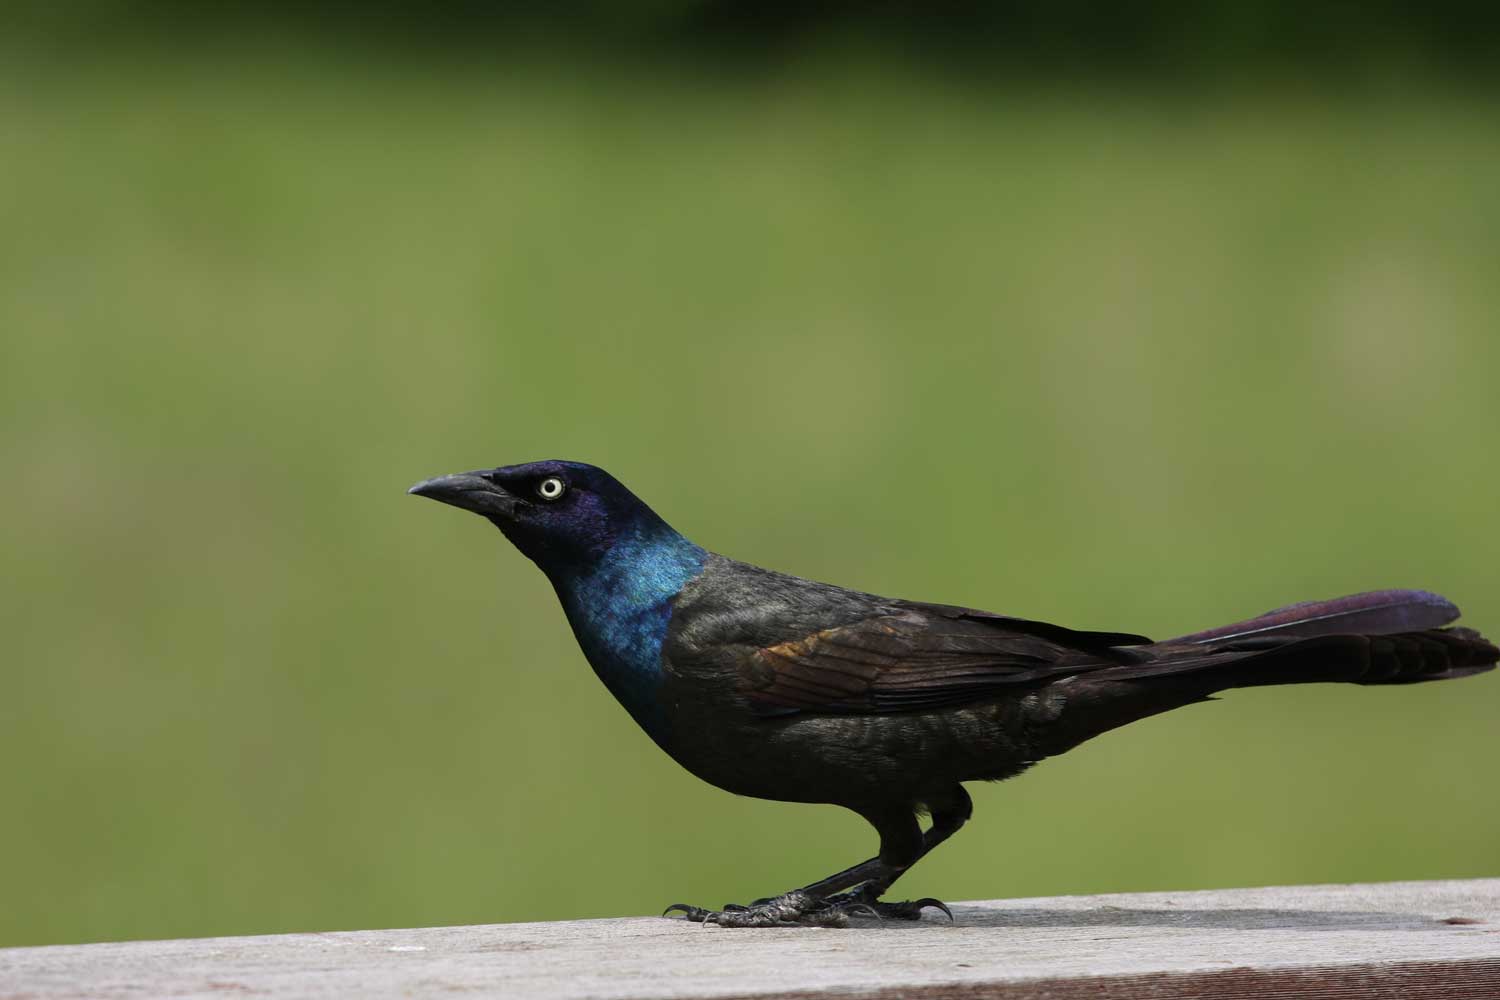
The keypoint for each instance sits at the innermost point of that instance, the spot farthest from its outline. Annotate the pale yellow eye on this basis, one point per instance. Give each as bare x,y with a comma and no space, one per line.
550,488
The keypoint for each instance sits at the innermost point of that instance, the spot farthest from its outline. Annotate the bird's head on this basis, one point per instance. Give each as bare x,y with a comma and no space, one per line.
562,515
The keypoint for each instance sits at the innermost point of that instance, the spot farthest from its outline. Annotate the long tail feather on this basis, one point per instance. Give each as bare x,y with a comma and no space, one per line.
1398,658
1379,612
1384,637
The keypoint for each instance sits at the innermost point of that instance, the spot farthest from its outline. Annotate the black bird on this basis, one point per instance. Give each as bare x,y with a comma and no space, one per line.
782,688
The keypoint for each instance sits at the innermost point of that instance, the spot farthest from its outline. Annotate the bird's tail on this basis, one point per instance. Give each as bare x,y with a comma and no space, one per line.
1382,637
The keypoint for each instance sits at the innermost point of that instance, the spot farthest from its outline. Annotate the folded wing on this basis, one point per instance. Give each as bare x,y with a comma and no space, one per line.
920,657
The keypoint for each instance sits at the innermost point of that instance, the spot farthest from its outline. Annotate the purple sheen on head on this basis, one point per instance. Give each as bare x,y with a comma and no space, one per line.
616,566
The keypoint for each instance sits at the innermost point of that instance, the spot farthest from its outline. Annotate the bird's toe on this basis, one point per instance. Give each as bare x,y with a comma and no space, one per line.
792,909
911,909
860,903
697,914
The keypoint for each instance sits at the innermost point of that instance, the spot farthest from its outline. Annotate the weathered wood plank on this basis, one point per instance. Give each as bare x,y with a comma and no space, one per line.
1407,940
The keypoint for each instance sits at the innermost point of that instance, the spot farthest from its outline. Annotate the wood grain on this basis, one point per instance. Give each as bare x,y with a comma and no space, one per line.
1398,940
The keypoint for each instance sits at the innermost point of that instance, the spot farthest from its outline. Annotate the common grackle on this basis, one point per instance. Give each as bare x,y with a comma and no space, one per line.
782,688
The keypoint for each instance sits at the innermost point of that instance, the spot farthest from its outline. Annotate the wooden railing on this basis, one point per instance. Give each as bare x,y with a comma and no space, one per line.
1399,940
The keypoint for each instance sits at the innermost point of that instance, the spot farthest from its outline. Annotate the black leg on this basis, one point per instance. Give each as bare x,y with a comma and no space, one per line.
856,890
949,813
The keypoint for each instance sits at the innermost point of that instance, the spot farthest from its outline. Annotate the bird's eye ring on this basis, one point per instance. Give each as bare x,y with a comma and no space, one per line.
551,488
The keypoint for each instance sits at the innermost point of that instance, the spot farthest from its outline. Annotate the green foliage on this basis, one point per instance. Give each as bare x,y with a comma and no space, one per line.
1119,362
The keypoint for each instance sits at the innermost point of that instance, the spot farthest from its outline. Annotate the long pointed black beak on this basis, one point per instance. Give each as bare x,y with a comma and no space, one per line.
469,491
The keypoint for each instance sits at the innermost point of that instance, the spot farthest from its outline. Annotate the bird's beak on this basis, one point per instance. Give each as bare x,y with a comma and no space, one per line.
470,491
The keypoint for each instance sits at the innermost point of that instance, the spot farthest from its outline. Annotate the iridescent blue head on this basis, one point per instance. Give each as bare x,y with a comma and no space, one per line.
617,567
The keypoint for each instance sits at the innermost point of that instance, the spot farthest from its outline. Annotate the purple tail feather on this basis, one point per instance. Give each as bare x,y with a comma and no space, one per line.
1378,612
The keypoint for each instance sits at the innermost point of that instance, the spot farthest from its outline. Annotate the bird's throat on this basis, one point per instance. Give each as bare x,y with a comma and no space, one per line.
620,608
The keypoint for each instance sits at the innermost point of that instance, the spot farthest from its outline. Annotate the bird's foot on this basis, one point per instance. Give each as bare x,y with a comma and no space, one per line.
791,909
801,909
859,902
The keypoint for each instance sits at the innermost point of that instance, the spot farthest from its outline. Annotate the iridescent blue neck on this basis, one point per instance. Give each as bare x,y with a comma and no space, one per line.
619,608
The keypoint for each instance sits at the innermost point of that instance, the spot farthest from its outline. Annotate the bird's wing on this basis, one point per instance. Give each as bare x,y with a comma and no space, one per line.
916,657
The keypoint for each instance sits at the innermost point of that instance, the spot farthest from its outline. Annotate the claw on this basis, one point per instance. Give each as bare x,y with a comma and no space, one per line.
859,903
937,904
694,913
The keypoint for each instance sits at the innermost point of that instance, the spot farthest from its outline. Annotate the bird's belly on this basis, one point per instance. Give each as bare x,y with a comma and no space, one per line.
849,759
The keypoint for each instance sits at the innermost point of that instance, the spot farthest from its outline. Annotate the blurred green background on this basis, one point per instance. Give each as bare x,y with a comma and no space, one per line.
1147,342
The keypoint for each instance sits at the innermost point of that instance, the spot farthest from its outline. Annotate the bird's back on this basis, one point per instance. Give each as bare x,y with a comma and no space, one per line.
788,688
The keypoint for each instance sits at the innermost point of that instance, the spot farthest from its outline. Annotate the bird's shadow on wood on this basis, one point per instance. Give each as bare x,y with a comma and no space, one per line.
1247,919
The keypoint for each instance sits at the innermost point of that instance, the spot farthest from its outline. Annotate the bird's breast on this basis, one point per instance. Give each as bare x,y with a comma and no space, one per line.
620,613
624,648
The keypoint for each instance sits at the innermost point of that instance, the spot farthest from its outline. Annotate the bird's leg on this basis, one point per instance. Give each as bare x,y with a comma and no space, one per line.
949,813
830,902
